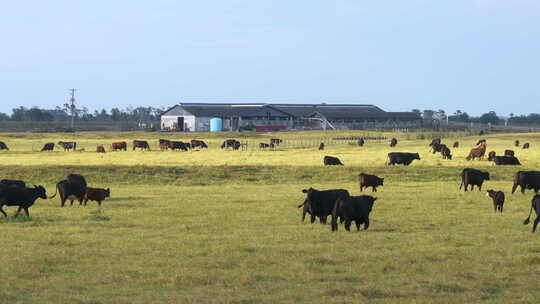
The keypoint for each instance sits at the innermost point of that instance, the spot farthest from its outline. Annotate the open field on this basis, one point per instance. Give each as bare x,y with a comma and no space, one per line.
219,226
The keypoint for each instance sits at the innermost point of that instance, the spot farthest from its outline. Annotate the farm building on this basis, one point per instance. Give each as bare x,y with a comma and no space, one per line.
203,117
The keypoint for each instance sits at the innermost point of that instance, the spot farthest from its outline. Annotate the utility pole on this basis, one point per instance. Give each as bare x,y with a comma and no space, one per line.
71,107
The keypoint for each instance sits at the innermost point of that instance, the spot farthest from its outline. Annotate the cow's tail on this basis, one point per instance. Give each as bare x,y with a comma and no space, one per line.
54,195
528,219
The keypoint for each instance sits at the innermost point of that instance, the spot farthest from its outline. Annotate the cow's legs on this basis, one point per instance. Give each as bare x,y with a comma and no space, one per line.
348,225
26,211
501,208
312,218
495,206
536,221
374,189
357,222
99,203
71,202
323,220
366,223
18,210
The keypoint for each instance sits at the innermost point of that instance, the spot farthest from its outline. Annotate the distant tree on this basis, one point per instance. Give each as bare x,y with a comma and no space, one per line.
4,117
440,115
116,115
459,116
19,114
428,114
490,117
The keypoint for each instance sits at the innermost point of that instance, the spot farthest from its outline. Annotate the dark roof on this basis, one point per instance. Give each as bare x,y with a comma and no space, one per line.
330,111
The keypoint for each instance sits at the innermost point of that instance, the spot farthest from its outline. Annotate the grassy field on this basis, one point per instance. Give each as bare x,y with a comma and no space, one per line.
219,226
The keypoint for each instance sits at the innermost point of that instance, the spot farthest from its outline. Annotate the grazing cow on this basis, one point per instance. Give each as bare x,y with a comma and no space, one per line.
491,155
508,152
435,141
72,188
321,203
477,152
321,146
498,199
120,145
516,143
332,161
22,197
275,141
526,146
178,145
481,141
96,194
436,147
68,145
265,145
3,146
100,149
367,180
446,153
506,160
526,180
535,204
456,144
198,143
231,143
473,177
403,158
141,144
361,142
393,142
164,144
48,147
352,208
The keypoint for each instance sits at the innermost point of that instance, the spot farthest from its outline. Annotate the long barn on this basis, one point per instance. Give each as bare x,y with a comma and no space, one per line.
203,117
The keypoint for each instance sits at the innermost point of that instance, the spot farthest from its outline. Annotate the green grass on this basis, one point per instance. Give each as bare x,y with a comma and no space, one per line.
222,227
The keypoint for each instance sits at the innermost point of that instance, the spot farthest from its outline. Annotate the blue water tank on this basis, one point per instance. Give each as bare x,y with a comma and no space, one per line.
216,124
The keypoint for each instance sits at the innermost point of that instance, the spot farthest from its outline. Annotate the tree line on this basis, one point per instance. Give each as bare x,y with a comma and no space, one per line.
131,114
490,117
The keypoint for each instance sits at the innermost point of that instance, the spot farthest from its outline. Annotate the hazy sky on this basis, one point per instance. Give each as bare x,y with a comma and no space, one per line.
473,55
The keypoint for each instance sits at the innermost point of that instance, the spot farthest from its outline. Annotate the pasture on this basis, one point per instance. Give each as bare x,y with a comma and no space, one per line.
215,226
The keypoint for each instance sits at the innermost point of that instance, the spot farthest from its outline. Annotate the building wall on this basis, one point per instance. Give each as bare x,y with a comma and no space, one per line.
202,124
170,122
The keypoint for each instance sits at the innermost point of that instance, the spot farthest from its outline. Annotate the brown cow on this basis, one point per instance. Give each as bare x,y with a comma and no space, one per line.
120,145
456,144
367,180
96,194
491,155
393,142
516,143
100,149
477,152
321,146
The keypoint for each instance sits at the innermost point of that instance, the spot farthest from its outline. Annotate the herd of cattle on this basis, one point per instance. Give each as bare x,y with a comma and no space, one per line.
340,205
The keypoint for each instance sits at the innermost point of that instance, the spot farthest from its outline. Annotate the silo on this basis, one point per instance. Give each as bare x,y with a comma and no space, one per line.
216,124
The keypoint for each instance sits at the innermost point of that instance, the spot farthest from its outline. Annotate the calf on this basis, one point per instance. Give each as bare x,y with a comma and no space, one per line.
446,153
506,160
473,177
526,180
321,146
456,144
535,204
48,147
68,145
96,194
498,199
100,149
321,203
403,158
141,144
352,208
516,143
508,152
393,142
526,146
120,145
367,180
477,152
361,142
491,155
3,146
332,161
22,197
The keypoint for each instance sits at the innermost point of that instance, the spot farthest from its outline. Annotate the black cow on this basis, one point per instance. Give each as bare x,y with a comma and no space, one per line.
198,143
526,146
509,153
535,204
3,146
445,152
491,155
321,146
48,147
473,177
352,208
141,144
231,143
526,180
22,197
367,180
403,158
96,194
100,149
332,161
516,143
178,145
72,188
265,145
498,199
68,145
436,147
506,160
321,203
393,142
275,141
361,142
435,141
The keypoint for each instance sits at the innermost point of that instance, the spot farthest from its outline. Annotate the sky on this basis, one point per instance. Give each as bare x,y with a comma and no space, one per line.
471,55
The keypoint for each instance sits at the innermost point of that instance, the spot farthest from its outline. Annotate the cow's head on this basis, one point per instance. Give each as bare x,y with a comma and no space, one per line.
41,192
108,192
416,156
491,193
380,182
486,175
